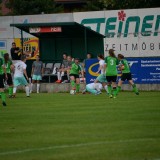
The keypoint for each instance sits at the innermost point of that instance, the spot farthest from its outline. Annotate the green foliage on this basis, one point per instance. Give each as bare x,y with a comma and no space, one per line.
26,7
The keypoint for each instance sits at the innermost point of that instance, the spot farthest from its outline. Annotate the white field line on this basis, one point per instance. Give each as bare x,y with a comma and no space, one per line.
75,145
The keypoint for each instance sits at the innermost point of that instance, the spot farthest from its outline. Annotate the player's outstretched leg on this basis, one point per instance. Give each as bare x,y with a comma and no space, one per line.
135,89
3,96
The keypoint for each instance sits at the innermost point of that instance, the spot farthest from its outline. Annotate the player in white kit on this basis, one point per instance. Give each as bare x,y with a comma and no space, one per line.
19,72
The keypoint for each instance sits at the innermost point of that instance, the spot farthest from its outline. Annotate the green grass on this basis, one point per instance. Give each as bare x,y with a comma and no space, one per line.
81,127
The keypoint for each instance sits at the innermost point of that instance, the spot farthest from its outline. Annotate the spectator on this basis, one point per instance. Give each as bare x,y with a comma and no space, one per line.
37,71
15,52
89,56
61,71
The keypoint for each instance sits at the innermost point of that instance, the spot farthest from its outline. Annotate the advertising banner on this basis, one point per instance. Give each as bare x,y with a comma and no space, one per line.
30,46
144,70
132,32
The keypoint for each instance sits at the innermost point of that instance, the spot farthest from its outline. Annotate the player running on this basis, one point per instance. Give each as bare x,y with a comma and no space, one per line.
126,74
101,78
74,75
19,79
111,63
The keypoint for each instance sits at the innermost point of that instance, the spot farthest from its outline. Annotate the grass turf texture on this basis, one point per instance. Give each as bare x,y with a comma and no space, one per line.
81,127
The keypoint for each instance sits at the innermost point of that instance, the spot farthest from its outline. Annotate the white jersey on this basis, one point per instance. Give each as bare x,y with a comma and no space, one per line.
97,86
19,67
101,64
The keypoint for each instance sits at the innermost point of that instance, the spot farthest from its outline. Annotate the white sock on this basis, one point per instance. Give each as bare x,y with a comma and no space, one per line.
14,90
58,75
38,86
106,88
31,87
27,91
62,74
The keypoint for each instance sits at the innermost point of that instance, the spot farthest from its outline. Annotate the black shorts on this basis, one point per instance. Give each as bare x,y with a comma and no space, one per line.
9,80
126,76
74,75
1,80
111,78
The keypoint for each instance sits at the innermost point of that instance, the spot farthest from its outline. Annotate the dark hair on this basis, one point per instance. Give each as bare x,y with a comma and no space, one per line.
13,43
120,56
23,57
6,57
101,56
111,53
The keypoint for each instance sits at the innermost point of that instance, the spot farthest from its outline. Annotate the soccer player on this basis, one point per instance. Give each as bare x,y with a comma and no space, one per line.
111,63
8,65
74,75
126,74
101,78
94,88
2,73
19,79
37,71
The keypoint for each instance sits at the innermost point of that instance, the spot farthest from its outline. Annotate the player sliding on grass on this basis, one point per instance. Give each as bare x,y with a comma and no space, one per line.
126,74
19,79
111,63
74,75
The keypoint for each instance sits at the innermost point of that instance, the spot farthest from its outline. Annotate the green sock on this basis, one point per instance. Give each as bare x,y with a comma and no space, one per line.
118,89
10,90
114,91
77,87
109,89
3,95
135,88
73,84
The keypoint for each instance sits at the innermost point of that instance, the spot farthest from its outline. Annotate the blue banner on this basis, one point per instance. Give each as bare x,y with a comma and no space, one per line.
144,70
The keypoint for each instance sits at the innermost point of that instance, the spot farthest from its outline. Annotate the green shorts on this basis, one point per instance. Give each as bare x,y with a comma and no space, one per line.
37,77
101,78
19,81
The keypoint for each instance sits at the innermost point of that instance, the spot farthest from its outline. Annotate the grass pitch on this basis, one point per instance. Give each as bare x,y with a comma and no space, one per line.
81,127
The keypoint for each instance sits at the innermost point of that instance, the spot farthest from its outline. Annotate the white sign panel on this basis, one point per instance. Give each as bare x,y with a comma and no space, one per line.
134,33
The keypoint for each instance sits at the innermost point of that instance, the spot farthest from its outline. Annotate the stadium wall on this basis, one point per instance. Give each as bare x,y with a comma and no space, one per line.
134,32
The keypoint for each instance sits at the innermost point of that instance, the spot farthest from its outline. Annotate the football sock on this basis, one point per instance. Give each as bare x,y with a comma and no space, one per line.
114,91
14,90
27,91
3,96
135,88
118,89
73,84
77,87
10,91
38,86
109,89
106,88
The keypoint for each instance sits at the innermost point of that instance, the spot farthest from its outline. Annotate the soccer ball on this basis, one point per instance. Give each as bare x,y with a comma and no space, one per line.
72,92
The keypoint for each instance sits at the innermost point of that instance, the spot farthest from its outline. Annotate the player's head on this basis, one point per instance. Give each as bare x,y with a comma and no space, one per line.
37,57
64,55
120,56
111,53
100,57
69,58
76,60
6,57
89,55
23,58
13,45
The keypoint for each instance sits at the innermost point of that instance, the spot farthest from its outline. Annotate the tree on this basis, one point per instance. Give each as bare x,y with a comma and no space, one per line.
26,7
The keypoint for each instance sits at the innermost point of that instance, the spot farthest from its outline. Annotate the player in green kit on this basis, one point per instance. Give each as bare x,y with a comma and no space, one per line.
2,77
8,64
126,74
74,75
111,63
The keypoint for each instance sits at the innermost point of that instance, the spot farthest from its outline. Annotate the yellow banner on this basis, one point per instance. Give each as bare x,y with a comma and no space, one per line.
30,46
